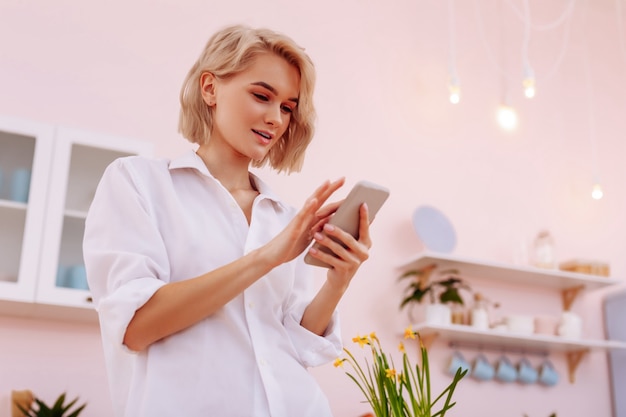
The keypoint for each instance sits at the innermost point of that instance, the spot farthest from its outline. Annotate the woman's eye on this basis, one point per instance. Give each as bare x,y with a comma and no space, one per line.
287,109
260,96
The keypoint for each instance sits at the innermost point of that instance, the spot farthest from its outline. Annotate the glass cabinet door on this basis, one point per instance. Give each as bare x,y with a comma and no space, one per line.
80,159
25,149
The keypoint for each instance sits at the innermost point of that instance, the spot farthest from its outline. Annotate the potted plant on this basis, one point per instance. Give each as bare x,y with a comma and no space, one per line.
443,293
38,408
403,391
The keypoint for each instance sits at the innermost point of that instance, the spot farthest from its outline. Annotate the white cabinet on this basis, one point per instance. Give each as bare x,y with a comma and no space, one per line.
569,284
23,146
41,260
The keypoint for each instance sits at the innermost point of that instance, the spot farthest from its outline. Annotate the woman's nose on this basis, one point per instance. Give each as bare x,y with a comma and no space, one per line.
274,116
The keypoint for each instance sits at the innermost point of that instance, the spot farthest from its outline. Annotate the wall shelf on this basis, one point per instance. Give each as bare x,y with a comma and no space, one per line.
569,283
461,335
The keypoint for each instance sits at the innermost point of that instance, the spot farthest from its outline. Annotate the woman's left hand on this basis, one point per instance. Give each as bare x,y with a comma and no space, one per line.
347,257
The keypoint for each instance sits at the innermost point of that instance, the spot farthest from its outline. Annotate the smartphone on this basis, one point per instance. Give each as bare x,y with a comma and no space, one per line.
347,215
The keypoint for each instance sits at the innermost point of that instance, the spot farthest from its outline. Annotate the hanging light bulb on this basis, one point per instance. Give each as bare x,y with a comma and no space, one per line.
529,82
596,192
507,117
454,88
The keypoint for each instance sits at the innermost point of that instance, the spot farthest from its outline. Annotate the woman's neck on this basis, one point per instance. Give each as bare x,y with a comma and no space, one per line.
231,172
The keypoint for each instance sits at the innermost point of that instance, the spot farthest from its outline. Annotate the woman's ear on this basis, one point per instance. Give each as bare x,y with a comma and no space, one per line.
207,86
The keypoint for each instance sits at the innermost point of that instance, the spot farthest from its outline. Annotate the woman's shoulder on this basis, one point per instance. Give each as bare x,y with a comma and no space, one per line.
138,170
141,163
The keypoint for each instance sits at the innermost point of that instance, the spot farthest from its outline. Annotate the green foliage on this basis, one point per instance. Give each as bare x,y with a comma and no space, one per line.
404,392
421,285
59,409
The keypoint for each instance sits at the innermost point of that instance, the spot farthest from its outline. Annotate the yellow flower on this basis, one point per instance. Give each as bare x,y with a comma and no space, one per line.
373,336
409,333
401,347
361,340
338,362
390,373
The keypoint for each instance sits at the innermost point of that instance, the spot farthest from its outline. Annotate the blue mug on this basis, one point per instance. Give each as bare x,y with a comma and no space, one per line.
548,376
457,361
77,277
505,370
482,369
62,273
20,185
526,373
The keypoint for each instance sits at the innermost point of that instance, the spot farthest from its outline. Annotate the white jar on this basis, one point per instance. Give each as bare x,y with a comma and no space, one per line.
479,316
543,253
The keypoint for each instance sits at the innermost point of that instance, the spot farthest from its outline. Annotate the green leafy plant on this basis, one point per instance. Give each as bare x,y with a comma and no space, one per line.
58,409
398,392
446,290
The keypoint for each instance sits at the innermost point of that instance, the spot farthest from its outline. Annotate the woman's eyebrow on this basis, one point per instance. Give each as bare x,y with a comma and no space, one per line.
272,89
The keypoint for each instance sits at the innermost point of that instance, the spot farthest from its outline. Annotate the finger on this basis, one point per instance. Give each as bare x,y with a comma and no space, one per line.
328,209
364,225
327,189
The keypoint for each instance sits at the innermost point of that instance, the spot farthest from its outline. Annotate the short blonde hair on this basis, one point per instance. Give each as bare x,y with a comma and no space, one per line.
231,51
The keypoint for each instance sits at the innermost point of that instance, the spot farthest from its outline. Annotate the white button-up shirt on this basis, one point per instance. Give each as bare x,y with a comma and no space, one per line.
153,222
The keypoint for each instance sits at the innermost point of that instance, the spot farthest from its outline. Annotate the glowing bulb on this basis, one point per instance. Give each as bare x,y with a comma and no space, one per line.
529,87
597,193
529,82
507,117
454,88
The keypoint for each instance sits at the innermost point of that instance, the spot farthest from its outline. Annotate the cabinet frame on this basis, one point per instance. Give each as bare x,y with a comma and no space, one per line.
35,292
23,289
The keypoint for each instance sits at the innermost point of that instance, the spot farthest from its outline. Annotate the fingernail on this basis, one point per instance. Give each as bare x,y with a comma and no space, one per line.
318,236
329,227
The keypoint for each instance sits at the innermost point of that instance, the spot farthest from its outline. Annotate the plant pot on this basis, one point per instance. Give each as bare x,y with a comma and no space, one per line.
438,314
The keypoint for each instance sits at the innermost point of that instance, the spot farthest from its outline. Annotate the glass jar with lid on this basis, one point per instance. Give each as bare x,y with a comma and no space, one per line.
543,250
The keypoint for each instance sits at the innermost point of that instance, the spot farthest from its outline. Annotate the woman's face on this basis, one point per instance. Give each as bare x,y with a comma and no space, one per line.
252,110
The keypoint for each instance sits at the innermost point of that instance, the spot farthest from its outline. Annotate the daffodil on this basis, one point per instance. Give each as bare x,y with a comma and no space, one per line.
409,333
361,340
405,392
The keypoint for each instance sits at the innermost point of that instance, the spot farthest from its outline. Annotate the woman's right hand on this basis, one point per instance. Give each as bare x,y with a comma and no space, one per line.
298,234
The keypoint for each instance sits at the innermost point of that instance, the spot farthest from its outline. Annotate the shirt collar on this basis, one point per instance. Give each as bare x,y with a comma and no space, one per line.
190,159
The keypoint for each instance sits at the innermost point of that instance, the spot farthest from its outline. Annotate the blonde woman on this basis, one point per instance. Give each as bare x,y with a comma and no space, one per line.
196,266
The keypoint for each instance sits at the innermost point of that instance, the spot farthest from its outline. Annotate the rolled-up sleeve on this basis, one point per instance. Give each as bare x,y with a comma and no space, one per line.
124,254
313,350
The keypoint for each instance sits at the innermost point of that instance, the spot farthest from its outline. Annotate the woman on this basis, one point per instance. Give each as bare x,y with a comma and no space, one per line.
196,266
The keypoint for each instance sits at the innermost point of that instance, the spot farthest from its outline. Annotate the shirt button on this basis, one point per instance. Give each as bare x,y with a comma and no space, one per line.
262,362
251,304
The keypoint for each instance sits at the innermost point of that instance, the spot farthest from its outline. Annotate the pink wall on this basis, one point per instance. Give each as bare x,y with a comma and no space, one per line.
116,66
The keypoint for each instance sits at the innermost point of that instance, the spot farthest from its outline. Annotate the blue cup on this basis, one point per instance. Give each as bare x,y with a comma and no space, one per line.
20,185
526,373
548,376
505,370
77,277
482,369
457,361
62,273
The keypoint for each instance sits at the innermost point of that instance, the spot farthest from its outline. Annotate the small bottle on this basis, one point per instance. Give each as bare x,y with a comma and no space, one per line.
543,250
479,315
